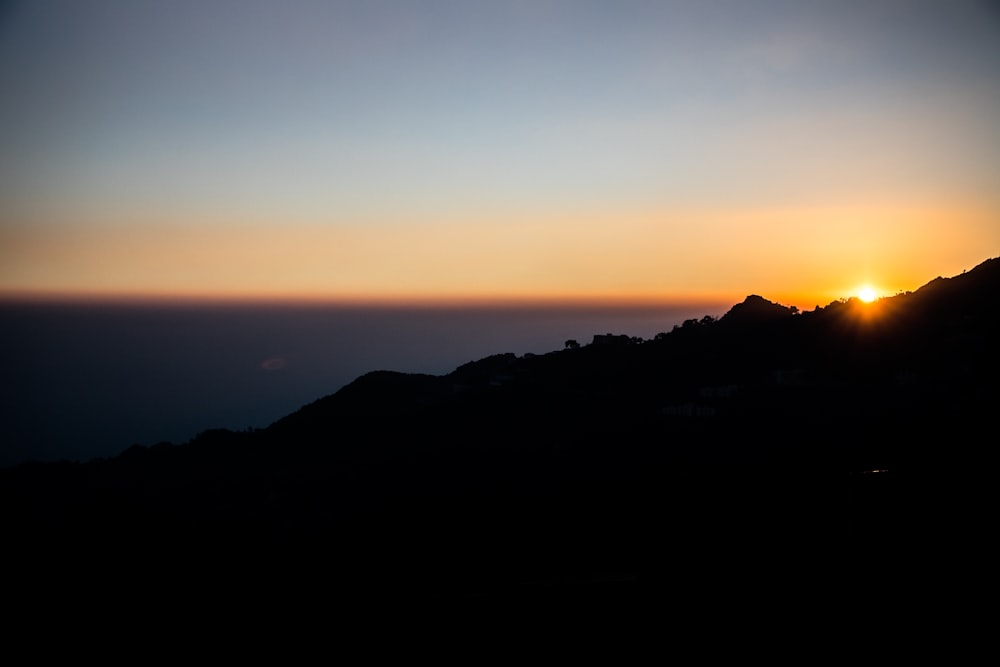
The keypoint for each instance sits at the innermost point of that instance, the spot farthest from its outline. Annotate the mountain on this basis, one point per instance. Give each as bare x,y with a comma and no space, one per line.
774,453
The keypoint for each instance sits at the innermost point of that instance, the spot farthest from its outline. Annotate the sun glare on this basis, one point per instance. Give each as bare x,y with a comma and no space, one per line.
867,294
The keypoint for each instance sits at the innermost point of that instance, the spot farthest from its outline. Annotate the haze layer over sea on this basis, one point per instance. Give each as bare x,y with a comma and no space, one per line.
85,380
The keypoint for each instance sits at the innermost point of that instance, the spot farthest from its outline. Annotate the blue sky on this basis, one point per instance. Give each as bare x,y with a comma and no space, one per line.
606,149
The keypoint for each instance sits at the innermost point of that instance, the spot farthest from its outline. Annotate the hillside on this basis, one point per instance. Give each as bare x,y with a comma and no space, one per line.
767,452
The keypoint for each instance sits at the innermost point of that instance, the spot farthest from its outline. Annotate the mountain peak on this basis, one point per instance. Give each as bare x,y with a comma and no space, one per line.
756,309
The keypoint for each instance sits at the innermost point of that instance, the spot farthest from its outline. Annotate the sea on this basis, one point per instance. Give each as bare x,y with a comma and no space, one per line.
87,380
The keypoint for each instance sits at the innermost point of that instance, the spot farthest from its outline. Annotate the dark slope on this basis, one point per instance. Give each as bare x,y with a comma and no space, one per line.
729,459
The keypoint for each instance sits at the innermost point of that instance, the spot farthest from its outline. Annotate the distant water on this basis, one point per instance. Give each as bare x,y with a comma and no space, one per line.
82,381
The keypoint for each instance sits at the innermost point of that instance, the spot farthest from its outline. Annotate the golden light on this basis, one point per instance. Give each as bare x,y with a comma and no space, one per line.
867,294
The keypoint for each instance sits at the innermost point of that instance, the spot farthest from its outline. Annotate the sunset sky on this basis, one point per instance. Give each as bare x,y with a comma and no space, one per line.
466,150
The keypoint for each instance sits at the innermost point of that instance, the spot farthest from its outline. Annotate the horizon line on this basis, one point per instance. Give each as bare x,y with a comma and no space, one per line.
610,301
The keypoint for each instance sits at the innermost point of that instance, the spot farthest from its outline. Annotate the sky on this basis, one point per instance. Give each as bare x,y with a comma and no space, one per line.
478,151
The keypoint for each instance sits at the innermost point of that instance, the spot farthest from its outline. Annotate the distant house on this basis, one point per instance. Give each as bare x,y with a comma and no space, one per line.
722,391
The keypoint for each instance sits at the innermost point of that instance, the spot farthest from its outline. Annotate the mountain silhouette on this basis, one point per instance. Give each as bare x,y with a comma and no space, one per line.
756,309
803,456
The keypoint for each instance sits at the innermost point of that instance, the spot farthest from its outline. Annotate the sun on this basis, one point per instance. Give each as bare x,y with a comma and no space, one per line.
867,293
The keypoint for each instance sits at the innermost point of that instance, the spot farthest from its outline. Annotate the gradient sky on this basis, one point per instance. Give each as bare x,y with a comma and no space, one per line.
496,150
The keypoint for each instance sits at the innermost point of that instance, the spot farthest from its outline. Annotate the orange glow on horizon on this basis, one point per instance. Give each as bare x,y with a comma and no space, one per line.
550,301
802,257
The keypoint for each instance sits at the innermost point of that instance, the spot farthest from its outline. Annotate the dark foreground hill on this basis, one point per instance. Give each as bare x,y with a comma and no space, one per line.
835,456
